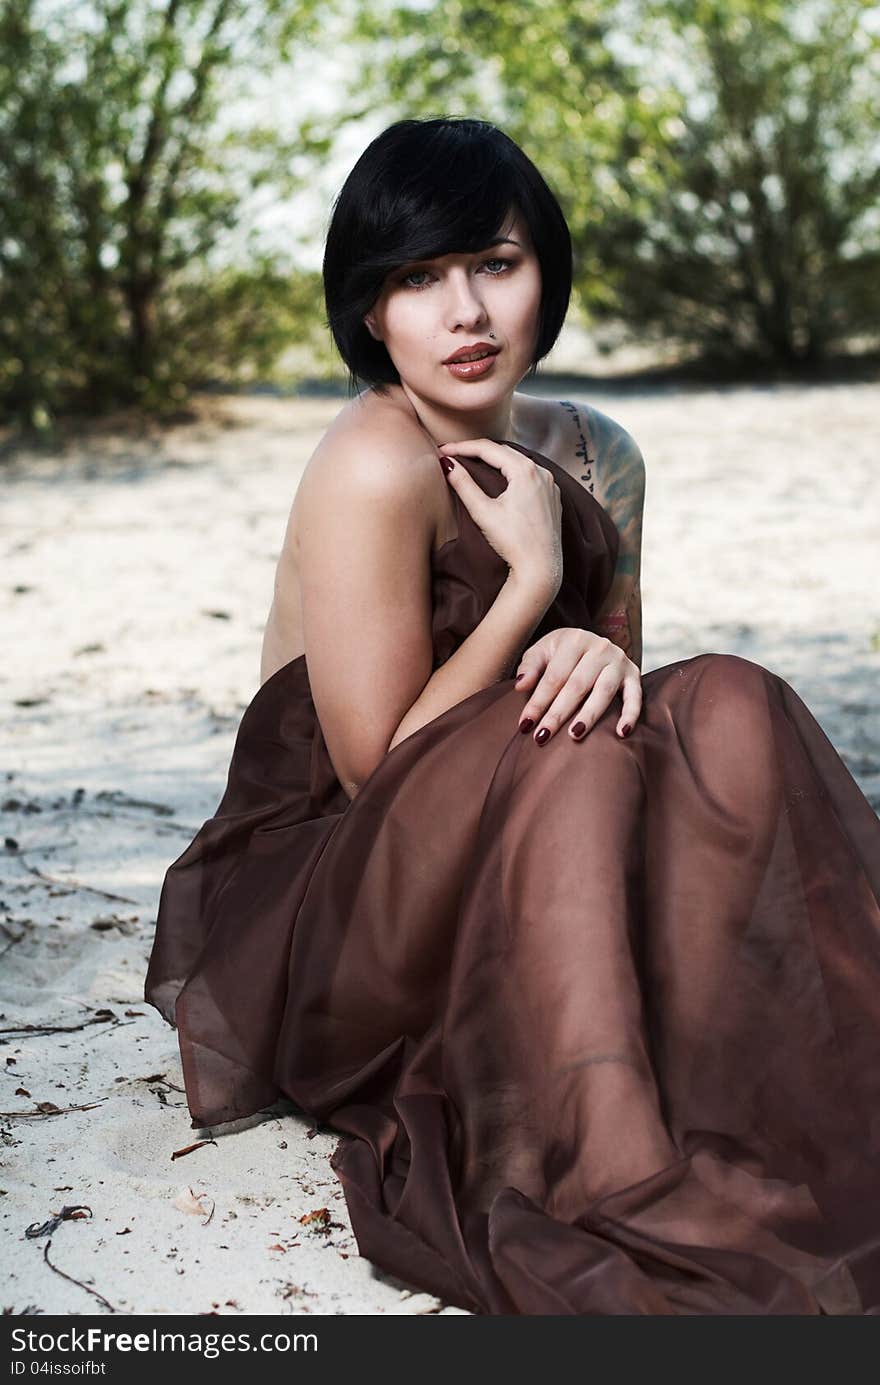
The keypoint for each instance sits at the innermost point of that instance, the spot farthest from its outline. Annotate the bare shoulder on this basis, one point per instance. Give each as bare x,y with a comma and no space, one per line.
597,450
371,453
370,480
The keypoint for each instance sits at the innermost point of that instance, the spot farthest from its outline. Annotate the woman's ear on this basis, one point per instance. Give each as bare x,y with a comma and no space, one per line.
370,322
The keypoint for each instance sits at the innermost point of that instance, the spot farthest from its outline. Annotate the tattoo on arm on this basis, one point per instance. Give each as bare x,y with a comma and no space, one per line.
613,470
586,463
622,624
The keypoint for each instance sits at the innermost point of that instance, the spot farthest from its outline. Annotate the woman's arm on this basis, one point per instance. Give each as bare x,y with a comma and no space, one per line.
485,656
619,487
366,528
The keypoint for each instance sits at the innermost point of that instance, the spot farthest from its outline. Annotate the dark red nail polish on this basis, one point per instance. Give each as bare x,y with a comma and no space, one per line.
578,729
526,725
447,464
542,736
625,730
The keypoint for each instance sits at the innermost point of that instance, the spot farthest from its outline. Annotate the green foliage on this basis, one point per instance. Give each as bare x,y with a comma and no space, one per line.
717,159
119,196
243,324
752,226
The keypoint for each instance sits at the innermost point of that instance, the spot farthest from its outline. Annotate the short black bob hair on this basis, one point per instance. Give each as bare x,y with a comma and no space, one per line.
425,188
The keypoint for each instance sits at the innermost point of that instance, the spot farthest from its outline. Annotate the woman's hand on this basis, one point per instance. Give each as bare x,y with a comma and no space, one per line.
523,523
560,669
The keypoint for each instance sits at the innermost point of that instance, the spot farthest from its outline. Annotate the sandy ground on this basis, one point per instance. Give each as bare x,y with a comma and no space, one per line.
137,575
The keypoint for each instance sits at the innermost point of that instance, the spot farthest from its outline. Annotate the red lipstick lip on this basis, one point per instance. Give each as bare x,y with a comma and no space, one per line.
466,351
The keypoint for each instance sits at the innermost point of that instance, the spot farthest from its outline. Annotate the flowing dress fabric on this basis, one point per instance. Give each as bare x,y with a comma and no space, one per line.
598,1023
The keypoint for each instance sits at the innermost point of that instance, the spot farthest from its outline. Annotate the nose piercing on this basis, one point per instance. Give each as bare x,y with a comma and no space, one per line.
492,335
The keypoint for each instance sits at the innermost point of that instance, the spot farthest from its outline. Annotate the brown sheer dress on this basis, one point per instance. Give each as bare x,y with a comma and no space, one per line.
598,1022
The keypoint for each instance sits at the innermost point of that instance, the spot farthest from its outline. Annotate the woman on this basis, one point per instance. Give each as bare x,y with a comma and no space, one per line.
596,1013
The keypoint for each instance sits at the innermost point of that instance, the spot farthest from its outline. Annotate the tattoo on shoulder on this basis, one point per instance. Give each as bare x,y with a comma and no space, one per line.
582,447
616,475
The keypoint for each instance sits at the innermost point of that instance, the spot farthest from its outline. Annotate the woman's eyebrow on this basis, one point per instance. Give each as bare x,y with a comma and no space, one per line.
502,240
429,259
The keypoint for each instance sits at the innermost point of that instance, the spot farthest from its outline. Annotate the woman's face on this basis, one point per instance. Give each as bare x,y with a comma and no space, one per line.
429,309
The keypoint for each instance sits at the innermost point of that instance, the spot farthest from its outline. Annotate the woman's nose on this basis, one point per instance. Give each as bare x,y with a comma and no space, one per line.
464,305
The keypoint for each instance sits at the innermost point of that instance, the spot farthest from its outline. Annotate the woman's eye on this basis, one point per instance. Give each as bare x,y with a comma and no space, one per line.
495,273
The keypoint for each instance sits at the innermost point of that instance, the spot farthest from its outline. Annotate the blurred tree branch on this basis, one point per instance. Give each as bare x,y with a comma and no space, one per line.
117,185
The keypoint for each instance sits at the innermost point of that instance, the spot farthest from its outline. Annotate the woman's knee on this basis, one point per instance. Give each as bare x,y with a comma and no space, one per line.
732,677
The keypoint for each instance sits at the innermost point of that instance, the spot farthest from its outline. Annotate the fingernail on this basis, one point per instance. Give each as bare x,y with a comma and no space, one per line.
542,736
625,730
578,729
519,677
526,725
447,464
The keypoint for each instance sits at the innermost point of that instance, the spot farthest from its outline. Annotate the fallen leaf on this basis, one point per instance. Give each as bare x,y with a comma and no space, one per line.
188,1201
320,1214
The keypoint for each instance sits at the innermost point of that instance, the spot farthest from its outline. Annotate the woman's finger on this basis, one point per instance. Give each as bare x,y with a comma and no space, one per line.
538,655
605,689
472,495
497,454
632,701
554,678
525,675
559,694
